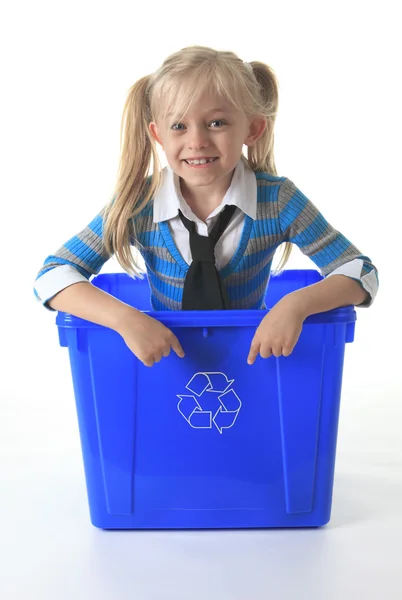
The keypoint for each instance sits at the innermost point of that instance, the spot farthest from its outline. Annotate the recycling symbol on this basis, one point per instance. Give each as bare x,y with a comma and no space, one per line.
213,402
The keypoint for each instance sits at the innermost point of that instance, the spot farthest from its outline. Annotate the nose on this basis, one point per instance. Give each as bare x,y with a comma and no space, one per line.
198,137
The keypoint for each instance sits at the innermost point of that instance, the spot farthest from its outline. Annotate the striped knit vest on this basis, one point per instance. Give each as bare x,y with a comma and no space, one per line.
246,275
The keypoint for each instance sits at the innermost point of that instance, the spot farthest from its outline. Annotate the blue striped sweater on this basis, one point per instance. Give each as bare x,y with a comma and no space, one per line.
284,213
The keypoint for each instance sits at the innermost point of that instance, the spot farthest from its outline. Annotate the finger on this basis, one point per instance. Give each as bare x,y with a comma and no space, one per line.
254,350
277,351
175,344
166,351
287,350
148,362
265,351
157,358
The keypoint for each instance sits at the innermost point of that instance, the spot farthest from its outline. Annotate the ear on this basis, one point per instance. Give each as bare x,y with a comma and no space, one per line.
153,128
257,126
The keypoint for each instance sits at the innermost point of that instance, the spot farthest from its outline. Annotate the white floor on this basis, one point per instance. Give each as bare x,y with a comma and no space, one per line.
49,549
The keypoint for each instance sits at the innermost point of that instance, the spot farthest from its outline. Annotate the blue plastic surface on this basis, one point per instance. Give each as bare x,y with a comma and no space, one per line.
208,441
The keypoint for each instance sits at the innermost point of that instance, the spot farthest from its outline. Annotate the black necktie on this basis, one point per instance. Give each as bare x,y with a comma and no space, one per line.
203,288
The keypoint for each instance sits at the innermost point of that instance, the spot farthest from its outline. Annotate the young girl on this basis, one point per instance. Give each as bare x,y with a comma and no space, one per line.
209,224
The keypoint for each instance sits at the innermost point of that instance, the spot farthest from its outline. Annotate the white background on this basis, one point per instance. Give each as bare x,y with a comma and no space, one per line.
66,70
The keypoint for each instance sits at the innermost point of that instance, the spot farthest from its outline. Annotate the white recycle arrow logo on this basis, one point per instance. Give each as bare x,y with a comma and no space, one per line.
228,402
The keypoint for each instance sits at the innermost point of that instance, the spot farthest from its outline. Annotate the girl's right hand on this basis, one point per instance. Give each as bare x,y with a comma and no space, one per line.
147,338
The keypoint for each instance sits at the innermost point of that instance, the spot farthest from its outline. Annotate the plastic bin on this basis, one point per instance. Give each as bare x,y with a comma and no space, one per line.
208,441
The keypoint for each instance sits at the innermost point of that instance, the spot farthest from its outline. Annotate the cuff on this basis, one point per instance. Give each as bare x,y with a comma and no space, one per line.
55,280
369,281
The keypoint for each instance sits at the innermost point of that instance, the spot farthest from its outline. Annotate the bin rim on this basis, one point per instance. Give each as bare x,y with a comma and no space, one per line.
215,318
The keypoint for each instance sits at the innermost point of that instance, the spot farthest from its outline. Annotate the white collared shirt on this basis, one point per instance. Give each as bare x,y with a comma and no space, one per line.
242,193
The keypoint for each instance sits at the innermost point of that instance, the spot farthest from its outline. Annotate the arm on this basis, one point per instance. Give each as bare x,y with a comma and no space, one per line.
63,285
63,282
88,302
350,277
146,337
75,261
331,292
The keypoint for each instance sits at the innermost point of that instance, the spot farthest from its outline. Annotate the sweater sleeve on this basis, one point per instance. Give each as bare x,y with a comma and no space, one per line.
81,257
302,224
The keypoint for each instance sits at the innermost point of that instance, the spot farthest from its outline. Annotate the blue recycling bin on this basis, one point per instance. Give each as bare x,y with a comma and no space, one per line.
208,441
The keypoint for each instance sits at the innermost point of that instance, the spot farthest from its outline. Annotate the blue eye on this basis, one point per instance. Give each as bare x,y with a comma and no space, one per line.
215,121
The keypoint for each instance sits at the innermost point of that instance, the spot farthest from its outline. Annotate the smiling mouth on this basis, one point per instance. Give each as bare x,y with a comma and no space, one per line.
200,164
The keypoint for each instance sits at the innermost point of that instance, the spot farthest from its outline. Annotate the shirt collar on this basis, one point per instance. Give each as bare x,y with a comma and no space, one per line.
242,193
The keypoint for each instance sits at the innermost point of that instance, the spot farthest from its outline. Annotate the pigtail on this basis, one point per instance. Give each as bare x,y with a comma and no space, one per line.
261,156
134,186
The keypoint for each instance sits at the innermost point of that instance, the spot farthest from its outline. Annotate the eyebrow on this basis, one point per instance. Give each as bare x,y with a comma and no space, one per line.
169,114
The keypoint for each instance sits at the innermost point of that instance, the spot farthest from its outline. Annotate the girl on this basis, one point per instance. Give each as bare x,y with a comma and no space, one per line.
209,224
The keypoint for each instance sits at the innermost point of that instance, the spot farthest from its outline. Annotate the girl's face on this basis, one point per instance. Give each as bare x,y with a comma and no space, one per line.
211,128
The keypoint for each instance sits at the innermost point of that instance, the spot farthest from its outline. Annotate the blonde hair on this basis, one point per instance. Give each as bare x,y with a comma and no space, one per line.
183,77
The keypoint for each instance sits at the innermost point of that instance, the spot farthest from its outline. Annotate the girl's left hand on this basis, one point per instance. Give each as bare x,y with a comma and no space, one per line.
278,332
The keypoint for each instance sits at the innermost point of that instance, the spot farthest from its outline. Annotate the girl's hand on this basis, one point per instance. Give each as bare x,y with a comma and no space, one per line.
278,332
147,338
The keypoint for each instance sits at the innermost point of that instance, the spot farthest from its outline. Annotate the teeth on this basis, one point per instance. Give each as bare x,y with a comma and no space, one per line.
203,161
